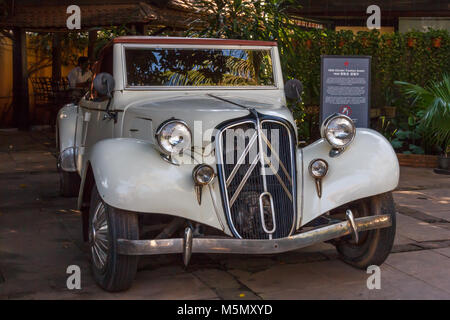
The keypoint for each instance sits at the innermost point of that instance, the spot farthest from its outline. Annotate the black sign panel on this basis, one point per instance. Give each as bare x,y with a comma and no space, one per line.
345,88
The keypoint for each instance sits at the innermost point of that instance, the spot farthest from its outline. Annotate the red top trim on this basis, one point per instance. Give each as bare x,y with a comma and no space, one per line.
201,41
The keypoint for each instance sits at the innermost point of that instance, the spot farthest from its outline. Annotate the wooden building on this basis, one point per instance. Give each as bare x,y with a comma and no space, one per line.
396,15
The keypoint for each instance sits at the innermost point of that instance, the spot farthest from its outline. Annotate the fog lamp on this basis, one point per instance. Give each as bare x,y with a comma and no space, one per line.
318,168
203,174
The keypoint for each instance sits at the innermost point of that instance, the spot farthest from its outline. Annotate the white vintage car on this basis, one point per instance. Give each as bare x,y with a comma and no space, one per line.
187,145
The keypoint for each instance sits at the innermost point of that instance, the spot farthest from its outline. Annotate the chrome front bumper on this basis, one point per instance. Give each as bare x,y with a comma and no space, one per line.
188,244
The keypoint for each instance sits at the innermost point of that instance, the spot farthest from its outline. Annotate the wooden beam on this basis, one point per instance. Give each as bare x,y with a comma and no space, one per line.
141,29
56,56
20,80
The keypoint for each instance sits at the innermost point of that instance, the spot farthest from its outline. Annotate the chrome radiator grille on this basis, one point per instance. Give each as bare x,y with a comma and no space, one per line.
257,176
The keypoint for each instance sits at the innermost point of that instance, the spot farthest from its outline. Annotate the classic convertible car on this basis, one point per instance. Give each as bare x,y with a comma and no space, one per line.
187,146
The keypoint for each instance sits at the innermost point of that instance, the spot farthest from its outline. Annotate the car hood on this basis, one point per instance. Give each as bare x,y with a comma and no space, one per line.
201,112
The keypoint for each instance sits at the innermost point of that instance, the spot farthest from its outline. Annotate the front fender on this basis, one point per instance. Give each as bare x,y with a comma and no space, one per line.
369,166
66,123
130,174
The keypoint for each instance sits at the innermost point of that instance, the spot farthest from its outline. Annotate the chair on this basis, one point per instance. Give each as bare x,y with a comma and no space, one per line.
49,96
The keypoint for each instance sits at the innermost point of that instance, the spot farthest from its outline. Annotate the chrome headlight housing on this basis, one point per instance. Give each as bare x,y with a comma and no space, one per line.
203,174
173,136
339,130
318,168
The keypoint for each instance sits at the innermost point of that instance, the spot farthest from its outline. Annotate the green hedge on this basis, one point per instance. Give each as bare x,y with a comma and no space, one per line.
415,57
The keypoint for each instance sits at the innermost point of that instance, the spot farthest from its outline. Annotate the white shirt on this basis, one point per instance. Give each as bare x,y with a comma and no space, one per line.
76,76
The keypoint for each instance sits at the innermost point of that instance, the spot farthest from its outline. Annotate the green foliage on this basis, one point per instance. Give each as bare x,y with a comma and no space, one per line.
434,102
415,57
250,20
105,35
392,59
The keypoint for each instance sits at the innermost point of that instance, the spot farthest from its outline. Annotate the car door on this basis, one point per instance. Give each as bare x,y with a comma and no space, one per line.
94,121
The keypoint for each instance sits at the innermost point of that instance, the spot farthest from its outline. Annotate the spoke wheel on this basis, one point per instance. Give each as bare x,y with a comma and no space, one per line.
98,237
112,271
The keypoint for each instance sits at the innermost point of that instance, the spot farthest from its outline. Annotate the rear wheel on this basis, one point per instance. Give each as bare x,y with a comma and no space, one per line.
374,246
112,271
69,183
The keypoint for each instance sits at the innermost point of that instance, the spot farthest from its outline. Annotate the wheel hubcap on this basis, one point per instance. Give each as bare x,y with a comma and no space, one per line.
99,237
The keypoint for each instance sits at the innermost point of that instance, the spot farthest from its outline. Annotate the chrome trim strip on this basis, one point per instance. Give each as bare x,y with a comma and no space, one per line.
214,202
279,178
261,159
244,180
249,246
288,176
261,211
241,158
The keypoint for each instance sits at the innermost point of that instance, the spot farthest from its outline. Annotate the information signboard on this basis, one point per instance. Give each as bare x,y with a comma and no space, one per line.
345,88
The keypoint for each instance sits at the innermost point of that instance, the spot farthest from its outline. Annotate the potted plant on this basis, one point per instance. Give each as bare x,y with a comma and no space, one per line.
411,42
444,159
437,42
434,99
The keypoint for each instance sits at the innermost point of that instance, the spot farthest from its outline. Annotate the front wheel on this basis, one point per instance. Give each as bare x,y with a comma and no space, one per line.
374,246
112,271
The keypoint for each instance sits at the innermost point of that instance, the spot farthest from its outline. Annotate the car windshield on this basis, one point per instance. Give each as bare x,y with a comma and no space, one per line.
199,67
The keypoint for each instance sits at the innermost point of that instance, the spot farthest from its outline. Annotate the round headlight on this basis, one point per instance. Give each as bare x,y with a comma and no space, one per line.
318,168
173,136
339,130
203,174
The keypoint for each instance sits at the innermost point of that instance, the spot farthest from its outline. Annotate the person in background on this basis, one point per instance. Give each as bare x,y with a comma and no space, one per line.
80,78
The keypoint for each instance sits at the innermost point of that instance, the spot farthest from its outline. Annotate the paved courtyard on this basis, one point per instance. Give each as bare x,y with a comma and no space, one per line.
40,236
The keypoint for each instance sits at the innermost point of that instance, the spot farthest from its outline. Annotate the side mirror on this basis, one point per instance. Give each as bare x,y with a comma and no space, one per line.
293,90
104,84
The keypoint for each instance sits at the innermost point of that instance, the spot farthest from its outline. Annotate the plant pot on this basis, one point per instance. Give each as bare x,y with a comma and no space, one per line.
308,44
437,42
444,162
411,42
417,160
389,112
375,112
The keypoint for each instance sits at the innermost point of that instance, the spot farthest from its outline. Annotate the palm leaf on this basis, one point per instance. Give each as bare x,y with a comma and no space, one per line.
434,99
